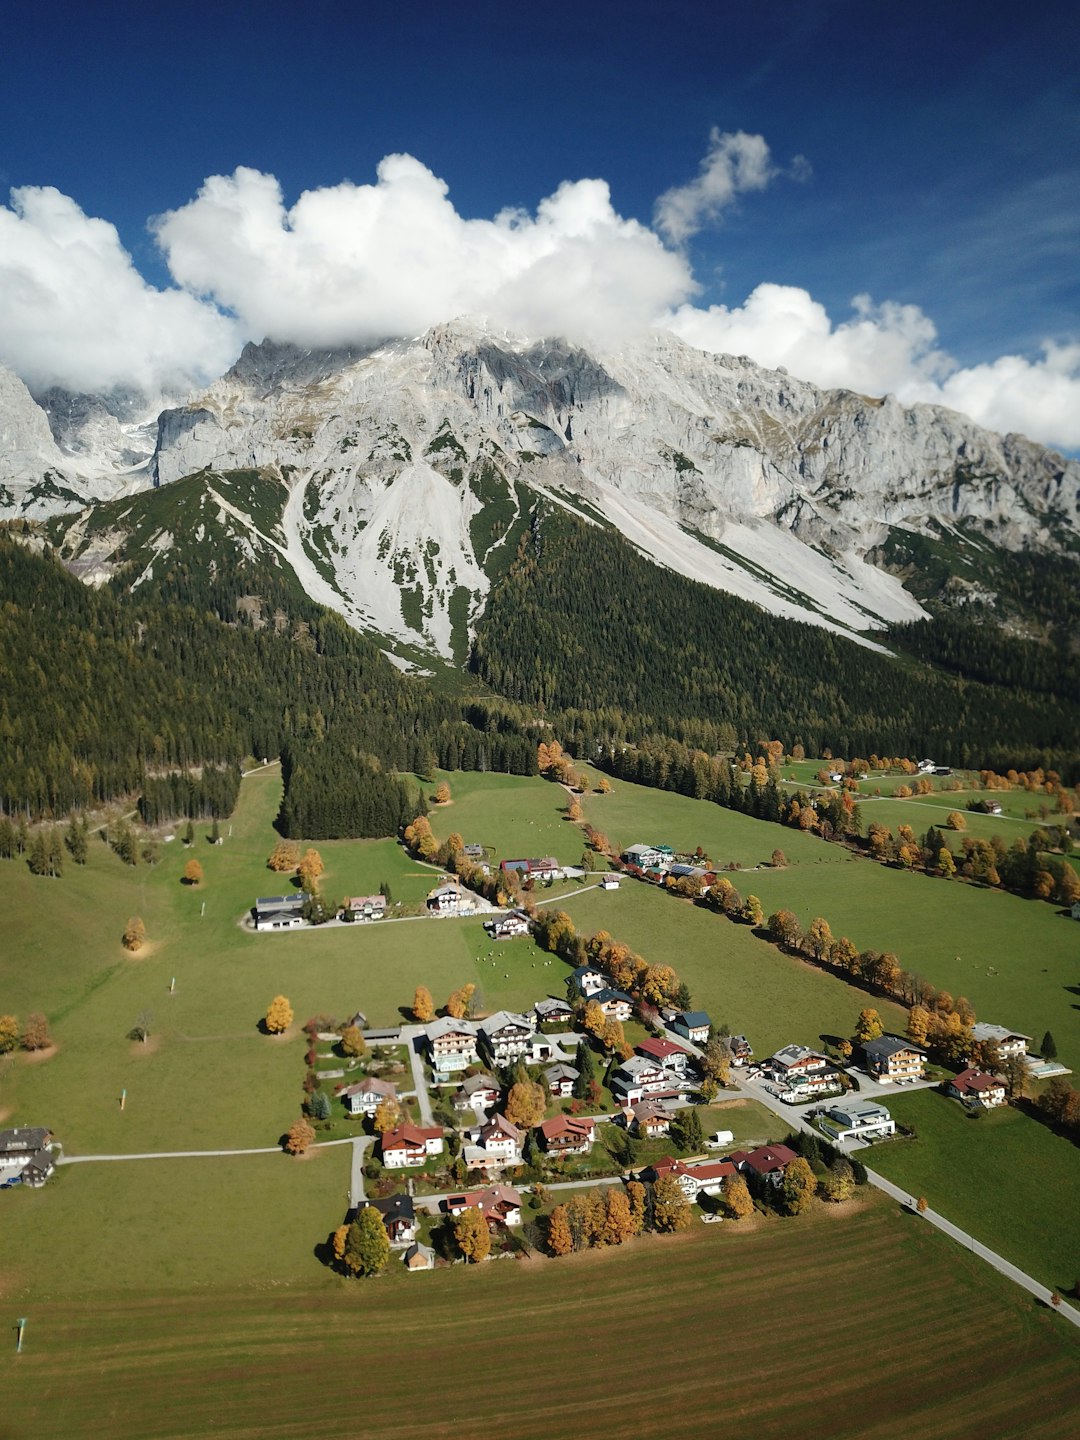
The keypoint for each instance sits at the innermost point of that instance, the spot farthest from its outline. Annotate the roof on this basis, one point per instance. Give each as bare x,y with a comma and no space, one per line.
409,1137
282,902
416,1251
472,1083
24,1139
793,1054
866,1110
447,1025
981,1030
561,1071
765,1158
608,995
370,1086
581,970
377,900
581,1129
549,1006
545,862
693,1019
977,1081
660,1049
637,1065
502,1019
394,1207
502,1126
886,1045
647,1110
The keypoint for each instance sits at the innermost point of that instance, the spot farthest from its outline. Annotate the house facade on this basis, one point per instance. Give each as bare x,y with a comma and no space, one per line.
398,1216
858,1120
890,1059
365,1097
568,1135
495,1142
693,1025
799,1073
647,1120
1011,1044
280,912
477,1092
767,1163
553,1012
506,1036
365,907
615,1004
507,926
561,1079
742,1052
671,1056
452,1045
409,1146
587,980
445,900
25,1156
500,1205
977,1089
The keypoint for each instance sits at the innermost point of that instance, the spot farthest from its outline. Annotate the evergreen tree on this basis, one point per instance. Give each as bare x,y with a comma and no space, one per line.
1048,1048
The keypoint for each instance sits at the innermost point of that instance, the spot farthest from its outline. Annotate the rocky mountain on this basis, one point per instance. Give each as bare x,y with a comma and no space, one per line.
394,481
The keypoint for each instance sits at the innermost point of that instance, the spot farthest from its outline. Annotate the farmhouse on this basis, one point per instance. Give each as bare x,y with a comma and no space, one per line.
365,1097
561,1079
892,1059
767,1162
365,907
409,1146
615,1004
445,900
647,1120
649,857
546,867
25,1157
398,1216
495,1142
507,926
858,1120
568,1135
665,1052
976,1089
477,1092
280,912
742,1052
693,1025
586,980
1011,1044
452,1044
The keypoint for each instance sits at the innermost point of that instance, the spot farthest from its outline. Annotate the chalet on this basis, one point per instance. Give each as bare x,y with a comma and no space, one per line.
1011,1044
365,1097
500,1205
647,1120
977,1089
665,1052
506,1036
539,1051
553,1012
767,1162
419,1257
615,1004
891,1059
398,1216
365,907
648,857
495,1142
742,1052
802,1074
993,807
452,1044
641,1077
694,1025
561,1079
409,1146
280,912
695,1178
506,927
473,852
546,867
609,882
858,1120
477,1092
445,900
568,1135
25,1156
586,980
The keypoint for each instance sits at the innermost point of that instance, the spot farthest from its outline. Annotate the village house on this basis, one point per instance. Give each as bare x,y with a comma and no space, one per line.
692,1025
540,1049
561,1079
419,1257
650,857
609,882
568,1135
398,1216
615,1004
553,1012
25,1156
452,1044
473,852
1011,1045
641,1076
802,1074
495,1142
695,1178
446,900
742,1052
500,1205
586,980
506,927
506,1036
280,912
647,1120
671,1056
365,1097
767,1163
546,867
409,1146
477,1092
890,1058
977,1089
857,1120
365,907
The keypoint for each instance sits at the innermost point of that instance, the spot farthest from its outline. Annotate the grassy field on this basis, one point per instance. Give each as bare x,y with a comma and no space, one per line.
514,815
741,981
1014,959
999,1168
261,1361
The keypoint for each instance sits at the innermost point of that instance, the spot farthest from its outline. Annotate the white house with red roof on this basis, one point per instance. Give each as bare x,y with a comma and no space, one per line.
409,1146
976,1088
499,1204
767,1162
568,1135
496,1142
672,1057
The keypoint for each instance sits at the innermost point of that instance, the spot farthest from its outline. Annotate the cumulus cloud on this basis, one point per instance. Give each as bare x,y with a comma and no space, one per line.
734,162
362,262
74,311
891,349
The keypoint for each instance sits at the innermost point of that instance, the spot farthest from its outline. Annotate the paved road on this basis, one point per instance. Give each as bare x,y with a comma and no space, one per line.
411,1034
356,1173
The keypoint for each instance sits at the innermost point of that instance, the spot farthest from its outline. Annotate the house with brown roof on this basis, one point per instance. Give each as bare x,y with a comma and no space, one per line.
665,1052
977,1089
499,1204
477,1092
568,1135
409,1146
647,1120
365,907
694,1177
767,1163
496,1142
365,1097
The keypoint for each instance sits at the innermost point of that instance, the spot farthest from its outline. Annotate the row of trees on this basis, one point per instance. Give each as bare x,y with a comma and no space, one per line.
32,1035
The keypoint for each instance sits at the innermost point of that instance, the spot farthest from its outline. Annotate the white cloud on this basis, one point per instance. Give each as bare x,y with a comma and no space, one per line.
735,162
74,310
362,262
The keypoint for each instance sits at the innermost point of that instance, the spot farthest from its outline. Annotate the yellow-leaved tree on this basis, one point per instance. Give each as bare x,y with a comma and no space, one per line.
472,1236
279,1015
423,1006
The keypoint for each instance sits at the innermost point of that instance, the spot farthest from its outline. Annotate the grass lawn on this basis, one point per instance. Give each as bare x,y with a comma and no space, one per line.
254,1361
516,816
1005,1178
1014,959
738,979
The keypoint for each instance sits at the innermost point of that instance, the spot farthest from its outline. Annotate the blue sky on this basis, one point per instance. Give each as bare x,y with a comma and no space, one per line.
941,142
